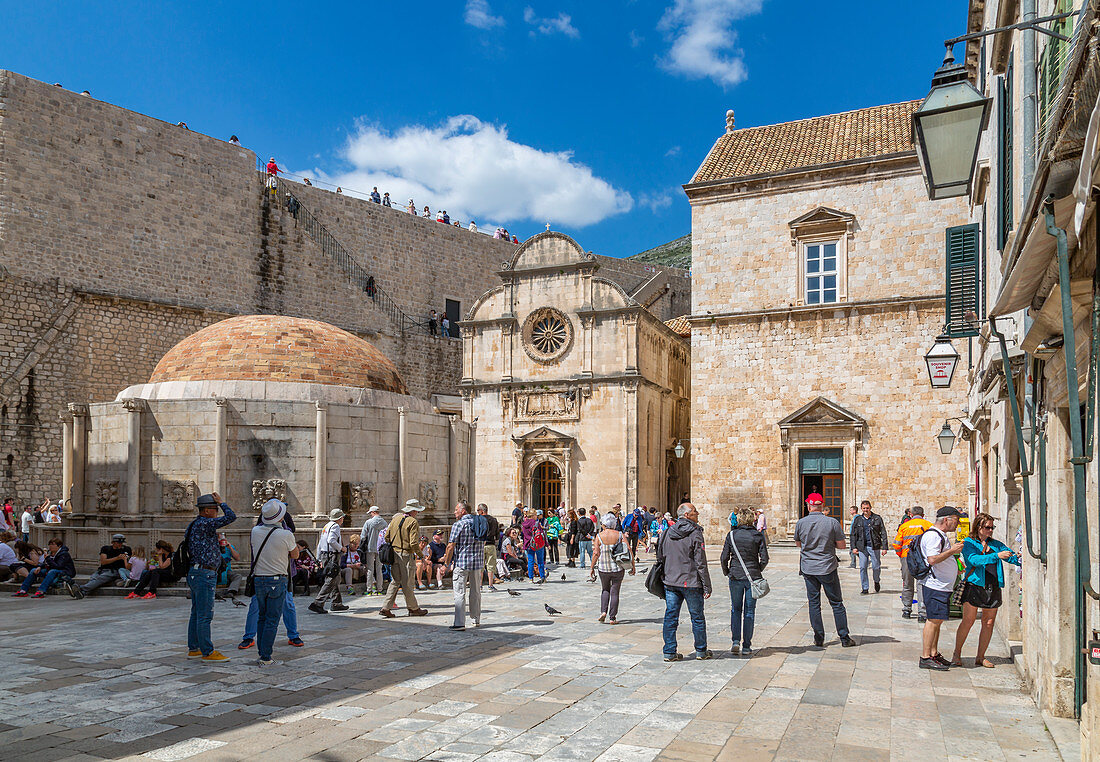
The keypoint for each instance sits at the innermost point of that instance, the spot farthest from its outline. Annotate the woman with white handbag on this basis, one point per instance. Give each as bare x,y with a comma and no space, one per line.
611,558
744,556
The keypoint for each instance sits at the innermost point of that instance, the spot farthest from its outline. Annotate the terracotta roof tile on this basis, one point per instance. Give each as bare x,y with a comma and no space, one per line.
862,134
680,325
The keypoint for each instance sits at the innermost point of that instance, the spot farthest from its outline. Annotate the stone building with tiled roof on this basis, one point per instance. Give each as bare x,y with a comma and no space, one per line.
817,287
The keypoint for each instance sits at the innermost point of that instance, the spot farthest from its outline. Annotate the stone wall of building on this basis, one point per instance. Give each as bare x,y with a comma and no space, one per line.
121,234
748,374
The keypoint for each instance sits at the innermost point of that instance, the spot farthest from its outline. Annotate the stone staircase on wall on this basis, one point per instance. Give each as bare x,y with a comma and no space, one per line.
54,330
278,195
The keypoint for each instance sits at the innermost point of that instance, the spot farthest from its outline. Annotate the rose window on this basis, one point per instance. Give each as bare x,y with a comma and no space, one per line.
547,334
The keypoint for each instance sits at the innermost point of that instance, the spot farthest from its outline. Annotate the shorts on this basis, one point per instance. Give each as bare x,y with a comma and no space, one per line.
936,603
491,557
988,597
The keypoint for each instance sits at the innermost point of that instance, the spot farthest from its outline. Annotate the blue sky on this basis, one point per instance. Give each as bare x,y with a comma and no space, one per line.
589,115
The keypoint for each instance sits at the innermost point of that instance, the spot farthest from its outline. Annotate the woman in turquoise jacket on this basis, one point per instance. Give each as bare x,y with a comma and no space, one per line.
983,580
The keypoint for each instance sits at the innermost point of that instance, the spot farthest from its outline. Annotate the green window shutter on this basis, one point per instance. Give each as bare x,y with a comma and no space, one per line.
821,461
963,293
1005,158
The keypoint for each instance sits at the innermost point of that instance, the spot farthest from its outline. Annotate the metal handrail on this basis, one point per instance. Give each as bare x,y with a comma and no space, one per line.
333,249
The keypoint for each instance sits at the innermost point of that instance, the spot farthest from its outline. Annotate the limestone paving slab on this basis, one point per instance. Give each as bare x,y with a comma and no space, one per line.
519,687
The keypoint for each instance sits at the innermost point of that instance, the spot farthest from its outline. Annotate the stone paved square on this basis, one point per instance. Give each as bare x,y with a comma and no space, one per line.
107,678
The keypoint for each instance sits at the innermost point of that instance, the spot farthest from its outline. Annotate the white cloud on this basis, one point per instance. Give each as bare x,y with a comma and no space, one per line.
674,151
655,201
475,171
479,14
703,39
562,23
636,39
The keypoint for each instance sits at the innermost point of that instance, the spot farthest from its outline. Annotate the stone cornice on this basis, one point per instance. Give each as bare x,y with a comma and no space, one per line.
898,301
563,384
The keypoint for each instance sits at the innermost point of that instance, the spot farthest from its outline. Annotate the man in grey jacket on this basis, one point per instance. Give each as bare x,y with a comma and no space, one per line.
686,578
368,543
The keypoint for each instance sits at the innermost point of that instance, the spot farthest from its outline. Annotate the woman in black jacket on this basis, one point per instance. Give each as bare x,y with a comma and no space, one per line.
753,549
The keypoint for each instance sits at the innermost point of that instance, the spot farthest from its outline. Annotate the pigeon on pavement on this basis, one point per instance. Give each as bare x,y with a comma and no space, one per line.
563,578
238,603
550,609
514,592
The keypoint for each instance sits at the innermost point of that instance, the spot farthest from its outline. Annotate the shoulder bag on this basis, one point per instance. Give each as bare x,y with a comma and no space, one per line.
655,579
250,582
759,587
386,553
620,555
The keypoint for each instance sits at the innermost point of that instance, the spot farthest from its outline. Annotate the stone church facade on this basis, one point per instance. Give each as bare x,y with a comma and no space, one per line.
578,392
817,264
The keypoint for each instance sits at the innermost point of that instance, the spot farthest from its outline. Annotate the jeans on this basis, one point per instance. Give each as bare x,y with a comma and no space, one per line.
150,580
586,550
271,594
869,554
674,599
48,580
536,558
610,582
743,615
463,580
101,578
831,584
290,618
202,583
908,583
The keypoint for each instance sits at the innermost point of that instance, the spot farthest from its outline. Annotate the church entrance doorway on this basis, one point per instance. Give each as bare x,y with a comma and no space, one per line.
546,487
822,471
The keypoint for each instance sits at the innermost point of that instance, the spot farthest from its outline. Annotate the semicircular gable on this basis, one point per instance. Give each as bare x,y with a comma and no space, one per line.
548,249
489,305
609,295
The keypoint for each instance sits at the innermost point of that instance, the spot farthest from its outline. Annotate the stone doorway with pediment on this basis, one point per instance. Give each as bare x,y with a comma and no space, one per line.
544,465
821,442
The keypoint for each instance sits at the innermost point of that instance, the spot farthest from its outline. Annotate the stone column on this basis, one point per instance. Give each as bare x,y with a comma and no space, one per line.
587,325
506,334
630,405
320,461
471,464
80,442
452,461
133,455
518,477
66,419
221,442
402,439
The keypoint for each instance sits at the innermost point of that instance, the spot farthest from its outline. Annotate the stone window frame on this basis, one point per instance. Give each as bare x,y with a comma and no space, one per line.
804,242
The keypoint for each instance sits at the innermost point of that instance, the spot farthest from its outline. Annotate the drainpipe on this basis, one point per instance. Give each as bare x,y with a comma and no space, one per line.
1078,459
1031,95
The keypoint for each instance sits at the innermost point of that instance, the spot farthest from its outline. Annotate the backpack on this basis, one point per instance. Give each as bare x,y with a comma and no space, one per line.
386,553
181,557
915,561
481,528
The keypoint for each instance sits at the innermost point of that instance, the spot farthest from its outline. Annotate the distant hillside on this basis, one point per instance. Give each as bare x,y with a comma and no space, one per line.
672,254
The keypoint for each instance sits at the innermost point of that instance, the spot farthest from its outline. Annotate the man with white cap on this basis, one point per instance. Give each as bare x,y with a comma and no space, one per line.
328,553
404,534
272,549
368,545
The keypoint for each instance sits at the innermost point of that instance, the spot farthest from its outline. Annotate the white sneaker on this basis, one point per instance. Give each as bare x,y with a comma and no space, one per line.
266,663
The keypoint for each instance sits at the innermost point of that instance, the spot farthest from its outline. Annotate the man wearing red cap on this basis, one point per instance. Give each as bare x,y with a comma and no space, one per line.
818,538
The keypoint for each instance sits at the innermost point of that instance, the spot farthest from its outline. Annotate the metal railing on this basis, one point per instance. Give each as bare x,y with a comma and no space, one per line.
277,192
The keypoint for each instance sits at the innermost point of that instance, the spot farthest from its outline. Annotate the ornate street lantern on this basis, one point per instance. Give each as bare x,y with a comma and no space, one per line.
946,438
941,360
679,449
947,129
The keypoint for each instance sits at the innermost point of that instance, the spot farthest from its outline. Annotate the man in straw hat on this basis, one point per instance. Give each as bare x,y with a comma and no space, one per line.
328,553
403,533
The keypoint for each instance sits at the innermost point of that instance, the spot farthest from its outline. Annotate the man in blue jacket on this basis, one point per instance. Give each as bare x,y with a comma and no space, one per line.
57,563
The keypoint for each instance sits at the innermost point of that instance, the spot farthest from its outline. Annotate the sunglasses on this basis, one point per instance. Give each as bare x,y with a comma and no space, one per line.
988,526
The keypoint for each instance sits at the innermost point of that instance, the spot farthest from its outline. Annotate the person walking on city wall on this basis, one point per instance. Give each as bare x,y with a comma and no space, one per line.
329,547
403,534
939,553
914,527
201,537
489,545
983,580
273,548
368,545
290,614
818,538
609,548
686,578
868,537
744,556
467,550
